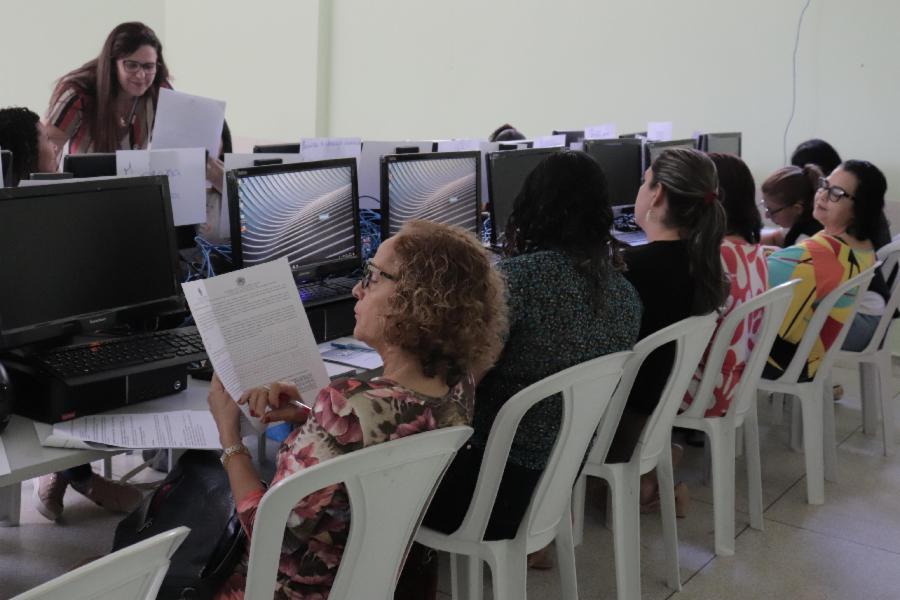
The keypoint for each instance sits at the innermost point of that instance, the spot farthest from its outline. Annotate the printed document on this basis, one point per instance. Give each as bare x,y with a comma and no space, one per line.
176,429
186,121
255,330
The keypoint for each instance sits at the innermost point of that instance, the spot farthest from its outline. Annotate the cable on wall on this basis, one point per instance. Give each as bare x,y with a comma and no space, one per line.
793,82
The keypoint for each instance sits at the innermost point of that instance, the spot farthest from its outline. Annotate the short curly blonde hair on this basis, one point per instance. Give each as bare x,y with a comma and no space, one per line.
449,307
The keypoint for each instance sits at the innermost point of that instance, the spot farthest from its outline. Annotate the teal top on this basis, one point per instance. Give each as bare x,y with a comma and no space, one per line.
552,326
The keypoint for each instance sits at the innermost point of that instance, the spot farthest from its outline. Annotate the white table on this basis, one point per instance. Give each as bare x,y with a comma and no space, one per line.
28,459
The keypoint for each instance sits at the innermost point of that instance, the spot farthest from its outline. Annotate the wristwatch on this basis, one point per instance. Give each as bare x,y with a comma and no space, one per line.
232,450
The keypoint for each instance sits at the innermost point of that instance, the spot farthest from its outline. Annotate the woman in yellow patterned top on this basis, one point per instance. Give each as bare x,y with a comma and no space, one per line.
850,205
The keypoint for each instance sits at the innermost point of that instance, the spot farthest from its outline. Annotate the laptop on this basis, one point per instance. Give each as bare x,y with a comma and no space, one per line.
308,212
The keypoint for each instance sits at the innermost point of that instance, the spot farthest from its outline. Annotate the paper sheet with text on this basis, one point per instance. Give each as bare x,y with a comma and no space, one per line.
255,330
175,429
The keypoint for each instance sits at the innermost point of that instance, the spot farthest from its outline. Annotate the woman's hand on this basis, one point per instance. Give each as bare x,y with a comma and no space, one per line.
279,401
225,412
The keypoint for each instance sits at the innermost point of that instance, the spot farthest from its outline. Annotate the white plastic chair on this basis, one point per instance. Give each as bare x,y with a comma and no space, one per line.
586,391
874,361
653,451
818,414
390,485
132,573
721,431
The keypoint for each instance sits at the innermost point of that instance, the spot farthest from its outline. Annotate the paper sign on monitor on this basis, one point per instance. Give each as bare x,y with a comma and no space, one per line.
550,141
458,145
186,170
187,121
607,131
329,148
659,131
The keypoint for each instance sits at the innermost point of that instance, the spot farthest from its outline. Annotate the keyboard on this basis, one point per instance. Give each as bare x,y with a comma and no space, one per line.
157,350
632,238
335,287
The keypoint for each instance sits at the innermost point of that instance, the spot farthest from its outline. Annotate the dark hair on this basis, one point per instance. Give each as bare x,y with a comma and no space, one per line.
869,222
818,152
226,141
692,185
738,197
448,307
564,206
506,133
794,185
98,80
19,135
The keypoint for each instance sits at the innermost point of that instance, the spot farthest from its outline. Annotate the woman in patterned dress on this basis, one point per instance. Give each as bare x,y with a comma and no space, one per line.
432,307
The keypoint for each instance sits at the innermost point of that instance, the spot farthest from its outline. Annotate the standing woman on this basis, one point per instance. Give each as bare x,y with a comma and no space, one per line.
109,103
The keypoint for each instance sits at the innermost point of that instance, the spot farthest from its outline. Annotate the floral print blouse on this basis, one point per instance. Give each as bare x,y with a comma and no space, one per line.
347,415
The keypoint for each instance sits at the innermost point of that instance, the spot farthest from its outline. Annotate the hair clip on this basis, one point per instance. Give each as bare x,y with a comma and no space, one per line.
710,197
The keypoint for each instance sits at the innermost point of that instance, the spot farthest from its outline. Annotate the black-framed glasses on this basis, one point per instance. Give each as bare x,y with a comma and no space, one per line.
133,66
368,269
835,193
771,213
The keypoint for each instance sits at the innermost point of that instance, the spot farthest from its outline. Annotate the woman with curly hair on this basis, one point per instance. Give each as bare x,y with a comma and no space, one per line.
431,305
22,133
568,302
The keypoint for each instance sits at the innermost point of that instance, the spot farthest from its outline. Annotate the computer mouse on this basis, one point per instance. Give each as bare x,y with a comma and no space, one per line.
6,398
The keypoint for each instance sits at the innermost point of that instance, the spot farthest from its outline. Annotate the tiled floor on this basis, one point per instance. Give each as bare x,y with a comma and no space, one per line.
847,549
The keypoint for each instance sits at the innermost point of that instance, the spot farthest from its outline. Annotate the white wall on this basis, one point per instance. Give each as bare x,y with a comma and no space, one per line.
41,40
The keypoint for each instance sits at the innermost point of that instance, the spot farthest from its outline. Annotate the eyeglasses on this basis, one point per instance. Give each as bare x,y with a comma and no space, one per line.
771,213
133,66
834,192
371,268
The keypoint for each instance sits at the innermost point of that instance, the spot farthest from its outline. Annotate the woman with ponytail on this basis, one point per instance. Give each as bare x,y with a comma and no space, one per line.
788,196
677,274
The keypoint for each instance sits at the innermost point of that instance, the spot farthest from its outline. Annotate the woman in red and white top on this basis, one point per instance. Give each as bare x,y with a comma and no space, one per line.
745,264
109,103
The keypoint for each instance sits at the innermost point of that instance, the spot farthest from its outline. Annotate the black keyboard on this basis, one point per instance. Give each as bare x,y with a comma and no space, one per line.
156,350
336,287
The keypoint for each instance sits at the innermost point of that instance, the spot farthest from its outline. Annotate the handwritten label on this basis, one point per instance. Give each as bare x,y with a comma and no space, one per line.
186,170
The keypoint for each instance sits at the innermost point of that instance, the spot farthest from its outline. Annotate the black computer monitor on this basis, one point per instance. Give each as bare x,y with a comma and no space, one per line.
622,163
506,172
653,149
444,187
723,143
572,137
101,164
6,167
285,148
308,212
633,136
86,255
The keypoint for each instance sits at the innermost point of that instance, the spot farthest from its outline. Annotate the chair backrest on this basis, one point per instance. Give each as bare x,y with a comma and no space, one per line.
134,572
691,337
853,288
389,485
768,309
586,390
889,255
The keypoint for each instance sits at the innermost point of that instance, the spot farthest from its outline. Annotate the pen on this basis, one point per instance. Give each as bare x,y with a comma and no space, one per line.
342,346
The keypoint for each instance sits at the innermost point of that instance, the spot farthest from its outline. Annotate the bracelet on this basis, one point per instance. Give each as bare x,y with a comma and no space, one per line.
234,450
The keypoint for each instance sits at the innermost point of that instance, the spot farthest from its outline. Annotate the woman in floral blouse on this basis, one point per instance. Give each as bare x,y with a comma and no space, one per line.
432,307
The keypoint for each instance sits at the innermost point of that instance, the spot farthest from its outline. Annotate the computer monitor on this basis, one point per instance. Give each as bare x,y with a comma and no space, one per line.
105,250
6,167
572,137
506,172
101,164
308,212
654,149
285,148
635,135
444,187
622,163
723,143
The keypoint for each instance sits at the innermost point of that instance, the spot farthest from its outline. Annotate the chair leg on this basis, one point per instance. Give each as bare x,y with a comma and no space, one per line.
829,436
577,508
624,485
509,570
723,489
886,395
466,577
565,556
869,394
754,470
810,400
667,513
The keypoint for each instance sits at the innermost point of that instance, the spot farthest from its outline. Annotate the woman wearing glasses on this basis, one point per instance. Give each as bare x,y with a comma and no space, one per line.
849,204
788,196
108,104
431,305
